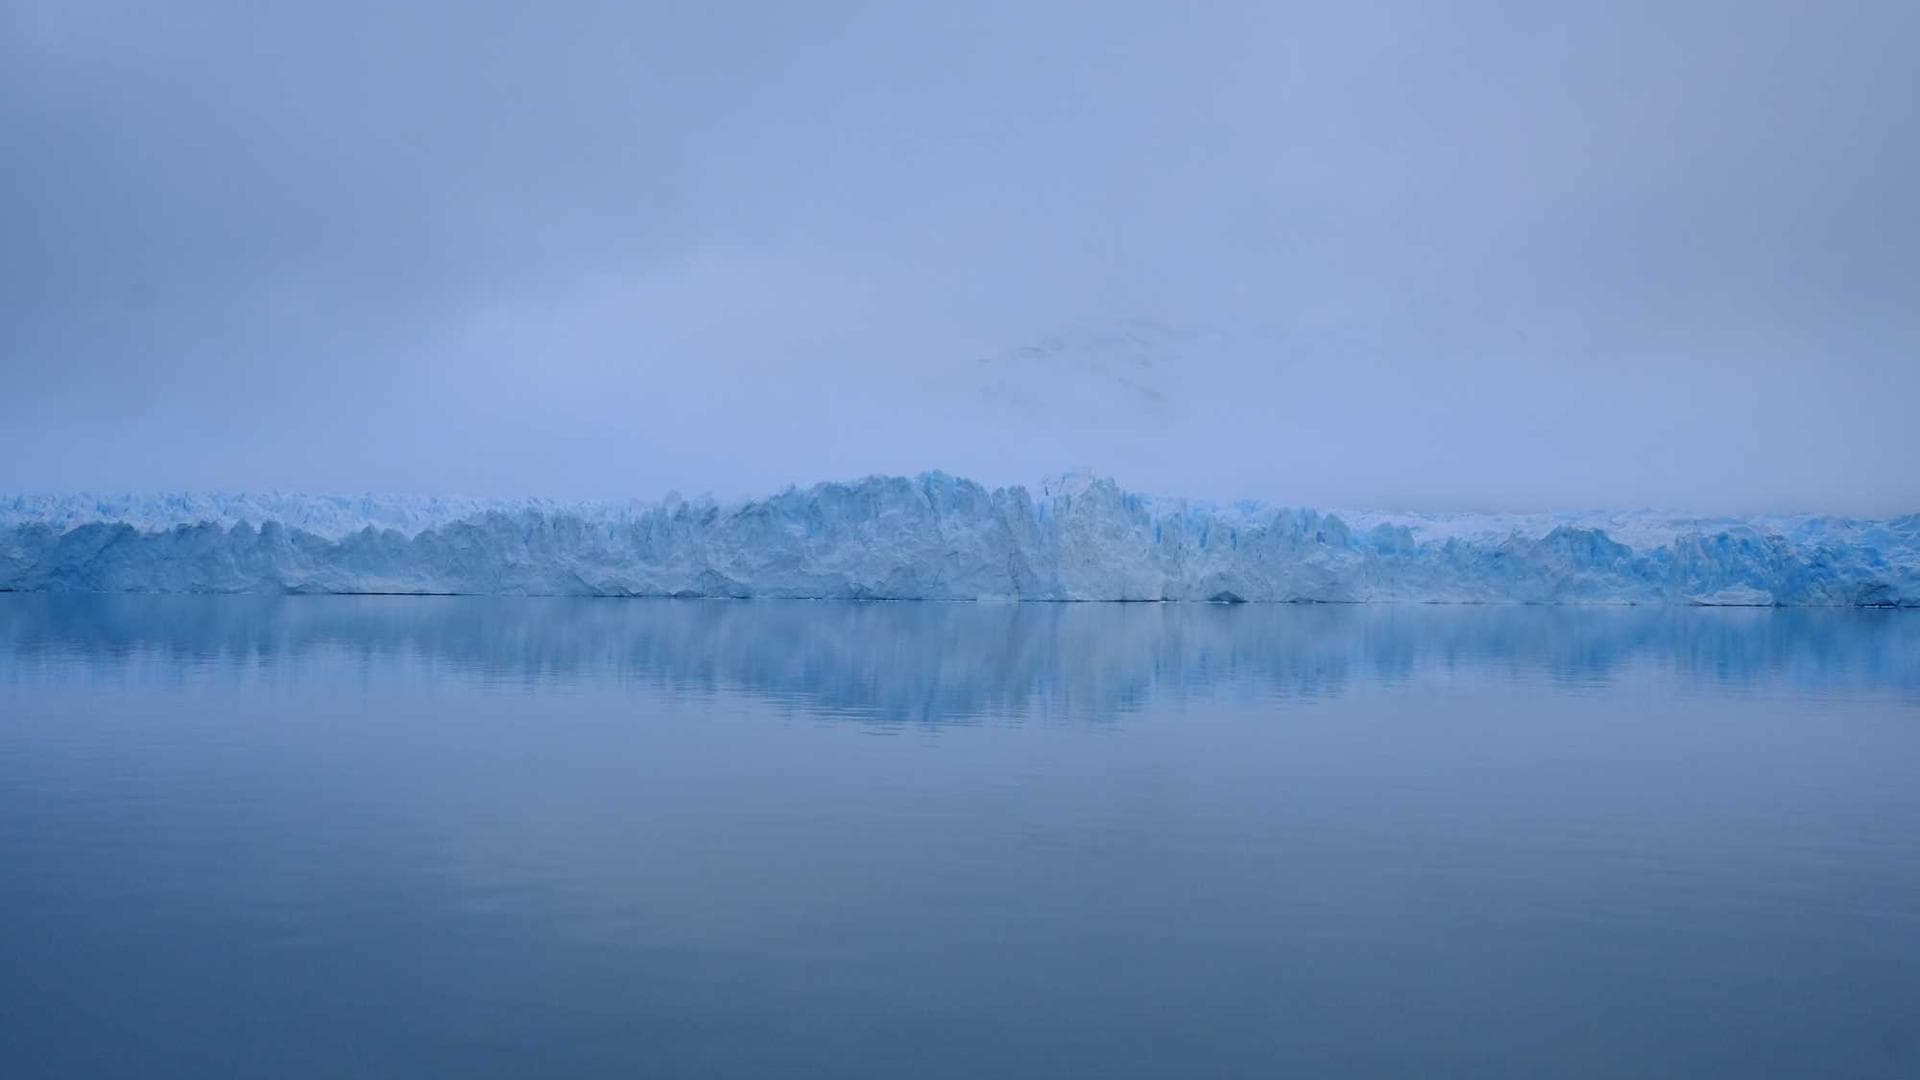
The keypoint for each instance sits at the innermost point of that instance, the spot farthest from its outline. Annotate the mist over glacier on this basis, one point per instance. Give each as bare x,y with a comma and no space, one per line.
938,537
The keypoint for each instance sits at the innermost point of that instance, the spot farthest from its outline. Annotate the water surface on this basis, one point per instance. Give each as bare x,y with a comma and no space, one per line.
338,836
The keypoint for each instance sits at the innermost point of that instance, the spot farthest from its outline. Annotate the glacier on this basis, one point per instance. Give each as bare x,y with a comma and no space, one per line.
939,537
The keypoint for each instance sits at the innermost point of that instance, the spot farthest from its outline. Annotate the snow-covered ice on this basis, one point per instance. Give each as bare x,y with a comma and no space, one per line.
936,537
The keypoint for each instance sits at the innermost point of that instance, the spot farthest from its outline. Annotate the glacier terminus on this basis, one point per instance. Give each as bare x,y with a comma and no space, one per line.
938,537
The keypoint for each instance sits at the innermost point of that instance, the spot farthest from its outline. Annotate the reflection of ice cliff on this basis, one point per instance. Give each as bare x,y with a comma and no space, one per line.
952,662
936,537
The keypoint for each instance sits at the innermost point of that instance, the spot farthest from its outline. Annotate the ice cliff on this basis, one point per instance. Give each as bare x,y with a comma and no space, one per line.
936,537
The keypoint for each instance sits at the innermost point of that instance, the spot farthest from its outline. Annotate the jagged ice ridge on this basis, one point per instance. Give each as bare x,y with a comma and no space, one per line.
937,537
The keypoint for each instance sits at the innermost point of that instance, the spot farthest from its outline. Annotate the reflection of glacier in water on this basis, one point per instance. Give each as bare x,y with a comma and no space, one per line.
959,661
661,838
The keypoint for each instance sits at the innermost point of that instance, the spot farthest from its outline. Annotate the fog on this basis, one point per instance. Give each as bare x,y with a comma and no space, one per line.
1417,256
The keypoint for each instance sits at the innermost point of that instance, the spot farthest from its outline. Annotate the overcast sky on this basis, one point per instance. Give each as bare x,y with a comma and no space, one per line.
1430,255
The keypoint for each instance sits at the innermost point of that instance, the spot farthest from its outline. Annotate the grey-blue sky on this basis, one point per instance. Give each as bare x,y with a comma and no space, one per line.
1422,255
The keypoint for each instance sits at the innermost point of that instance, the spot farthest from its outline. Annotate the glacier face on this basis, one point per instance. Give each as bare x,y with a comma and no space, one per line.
936,537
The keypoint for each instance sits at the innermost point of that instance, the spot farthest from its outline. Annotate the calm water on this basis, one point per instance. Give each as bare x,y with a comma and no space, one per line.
337,837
